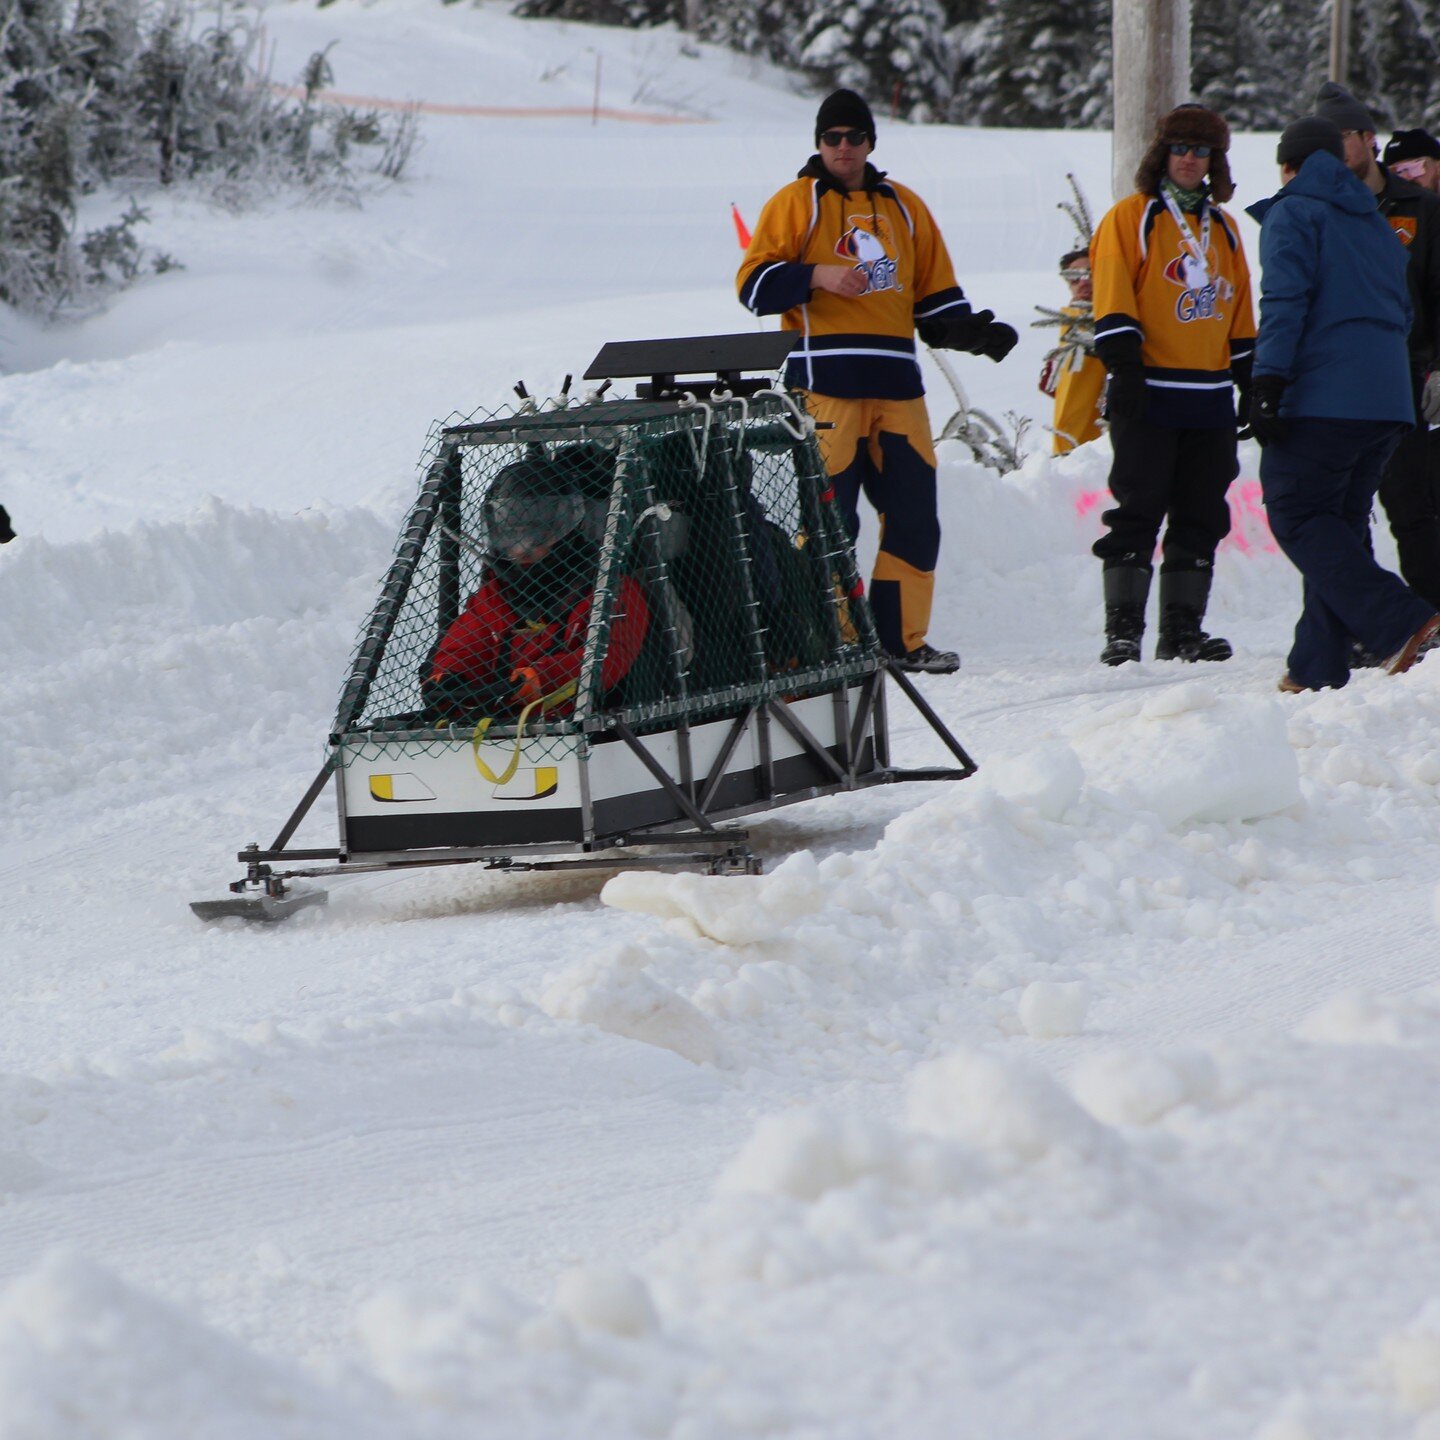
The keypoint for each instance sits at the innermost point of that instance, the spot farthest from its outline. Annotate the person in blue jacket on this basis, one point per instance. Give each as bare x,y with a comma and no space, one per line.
1330,399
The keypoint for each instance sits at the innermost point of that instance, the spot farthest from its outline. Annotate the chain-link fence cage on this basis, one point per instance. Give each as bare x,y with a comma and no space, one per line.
651,561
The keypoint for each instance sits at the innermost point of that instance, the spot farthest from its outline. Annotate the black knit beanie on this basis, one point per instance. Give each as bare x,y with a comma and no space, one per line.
1337,105
1411,145
844,110
1301,138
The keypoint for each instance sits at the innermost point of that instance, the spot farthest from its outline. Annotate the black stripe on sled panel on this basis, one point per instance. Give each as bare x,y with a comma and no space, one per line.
654,807
367,833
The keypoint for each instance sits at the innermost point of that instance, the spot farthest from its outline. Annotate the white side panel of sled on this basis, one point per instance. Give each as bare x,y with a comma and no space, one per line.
402,780
615,770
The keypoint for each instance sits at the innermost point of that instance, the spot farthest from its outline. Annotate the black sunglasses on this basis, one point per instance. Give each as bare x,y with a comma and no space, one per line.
1176,147
832,138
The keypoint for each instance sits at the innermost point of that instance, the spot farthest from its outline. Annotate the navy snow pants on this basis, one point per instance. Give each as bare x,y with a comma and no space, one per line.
1319,484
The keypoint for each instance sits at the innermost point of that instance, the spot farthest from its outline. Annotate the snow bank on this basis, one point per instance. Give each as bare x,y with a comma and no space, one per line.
83,1355
989,896
617,995
223,631
589,1362
1191,755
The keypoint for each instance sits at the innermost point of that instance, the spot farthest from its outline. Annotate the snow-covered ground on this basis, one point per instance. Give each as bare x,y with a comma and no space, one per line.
1093,1097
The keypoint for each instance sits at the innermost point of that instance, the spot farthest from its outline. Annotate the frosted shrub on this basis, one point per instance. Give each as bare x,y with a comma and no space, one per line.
128,93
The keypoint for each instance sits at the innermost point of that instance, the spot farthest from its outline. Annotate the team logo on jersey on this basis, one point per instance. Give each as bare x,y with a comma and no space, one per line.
1404,227
867,247
1200,297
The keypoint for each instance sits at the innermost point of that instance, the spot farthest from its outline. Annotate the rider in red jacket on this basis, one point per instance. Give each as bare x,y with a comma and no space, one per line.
521,636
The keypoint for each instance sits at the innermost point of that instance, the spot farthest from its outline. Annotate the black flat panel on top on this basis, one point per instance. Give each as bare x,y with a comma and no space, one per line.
752,350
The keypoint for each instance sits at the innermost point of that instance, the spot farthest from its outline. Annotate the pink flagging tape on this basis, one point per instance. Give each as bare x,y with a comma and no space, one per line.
491,112
1249,527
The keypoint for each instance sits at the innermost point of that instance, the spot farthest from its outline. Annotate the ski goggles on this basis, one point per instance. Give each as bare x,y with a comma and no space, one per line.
525,522
1409,169
1184,147
832,138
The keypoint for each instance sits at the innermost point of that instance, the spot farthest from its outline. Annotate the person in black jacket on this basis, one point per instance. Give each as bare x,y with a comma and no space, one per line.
1413,213
1414,155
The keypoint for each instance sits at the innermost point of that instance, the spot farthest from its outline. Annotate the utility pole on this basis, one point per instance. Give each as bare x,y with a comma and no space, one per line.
1339,40
1151,47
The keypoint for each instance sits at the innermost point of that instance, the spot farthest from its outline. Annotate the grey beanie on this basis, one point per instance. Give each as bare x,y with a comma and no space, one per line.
1337,105
1302,138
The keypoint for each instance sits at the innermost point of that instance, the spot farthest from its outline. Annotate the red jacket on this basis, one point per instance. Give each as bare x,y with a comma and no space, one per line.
487,641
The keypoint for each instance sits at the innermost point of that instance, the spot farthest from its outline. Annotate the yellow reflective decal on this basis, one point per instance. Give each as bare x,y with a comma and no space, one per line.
399,789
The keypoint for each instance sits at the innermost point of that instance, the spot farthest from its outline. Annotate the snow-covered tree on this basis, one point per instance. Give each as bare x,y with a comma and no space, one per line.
1394,58
1036,63
633,14
94,92
895,52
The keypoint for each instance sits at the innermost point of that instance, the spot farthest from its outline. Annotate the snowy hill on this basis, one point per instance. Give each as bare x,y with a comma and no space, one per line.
1091,1097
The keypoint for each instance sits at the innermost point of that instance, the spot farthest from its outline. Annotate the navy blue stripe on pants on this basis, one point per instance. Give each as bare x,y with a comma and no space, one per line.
1319,484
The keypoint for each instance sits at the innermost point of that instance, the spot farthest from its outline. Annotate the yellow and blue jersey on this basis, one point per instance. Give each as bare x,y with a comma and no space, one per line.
1192,321
860,347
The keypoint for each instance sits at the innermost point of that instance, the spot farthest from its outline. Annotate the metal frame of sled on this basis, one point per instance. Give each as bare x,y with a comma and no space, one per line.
631,785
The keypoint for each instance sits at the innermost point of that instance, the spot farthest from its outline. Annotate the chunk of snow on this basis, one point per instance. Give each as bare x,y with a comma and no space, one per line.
613,995
1194,758
997,1104
1123,1088
606,1297
1051,1008
1047,779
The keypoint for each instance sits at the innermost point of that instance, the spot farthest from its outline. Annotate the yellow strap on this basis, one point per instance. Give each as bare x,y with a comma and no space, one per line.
478,739
565,692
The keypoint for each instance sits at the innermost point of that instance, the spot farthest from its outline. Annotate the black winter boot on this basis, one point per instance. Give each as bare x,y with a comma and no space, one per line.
1127,587
1183,597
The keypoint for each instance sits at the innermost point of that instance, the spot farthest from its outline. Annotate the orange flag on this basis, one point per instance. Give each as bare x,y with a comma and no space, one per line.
742,232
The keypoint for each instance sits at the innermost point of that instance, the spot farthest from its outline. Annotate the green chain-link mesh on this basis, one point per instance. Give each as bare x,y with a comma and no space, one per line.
655,561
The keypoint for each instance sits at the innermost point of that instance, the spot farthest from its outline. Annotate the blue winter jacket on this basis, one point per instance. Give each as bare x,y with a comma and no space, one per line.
1334,304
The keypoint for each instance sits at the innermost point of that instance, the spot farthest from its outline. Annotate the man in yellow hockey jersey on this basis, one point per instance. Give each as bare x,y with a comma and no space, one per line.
857,265
1175,328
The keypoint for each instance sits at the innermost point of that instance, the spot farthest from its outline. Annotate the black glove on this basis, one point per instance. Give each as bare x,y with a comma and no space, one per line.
1125,393
453,696
1266,392
957,332
999,340
7,534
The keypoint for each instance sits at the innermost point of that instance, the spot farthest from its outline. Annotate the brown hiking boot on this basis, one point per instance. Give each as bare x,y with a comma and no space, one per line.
1425,638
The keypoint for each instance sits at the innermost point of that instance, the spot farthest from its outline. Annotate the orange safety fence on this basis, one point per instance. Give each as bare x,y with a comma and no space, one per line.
496,112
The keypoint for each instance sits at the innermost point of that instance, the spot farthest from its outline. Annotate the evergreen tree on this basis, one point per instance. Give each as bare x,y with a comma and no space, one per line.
1037,63
1394,59
767,27
633,14
896,52
100,91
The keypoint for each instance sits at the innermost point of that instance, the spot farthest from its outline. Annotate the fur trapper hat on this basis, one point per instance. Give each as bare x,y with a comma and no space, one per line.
1200,126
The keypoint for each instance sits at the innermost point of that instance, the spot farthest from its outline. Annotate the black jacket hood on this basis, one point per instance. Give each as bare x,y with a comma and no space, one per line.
814,169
